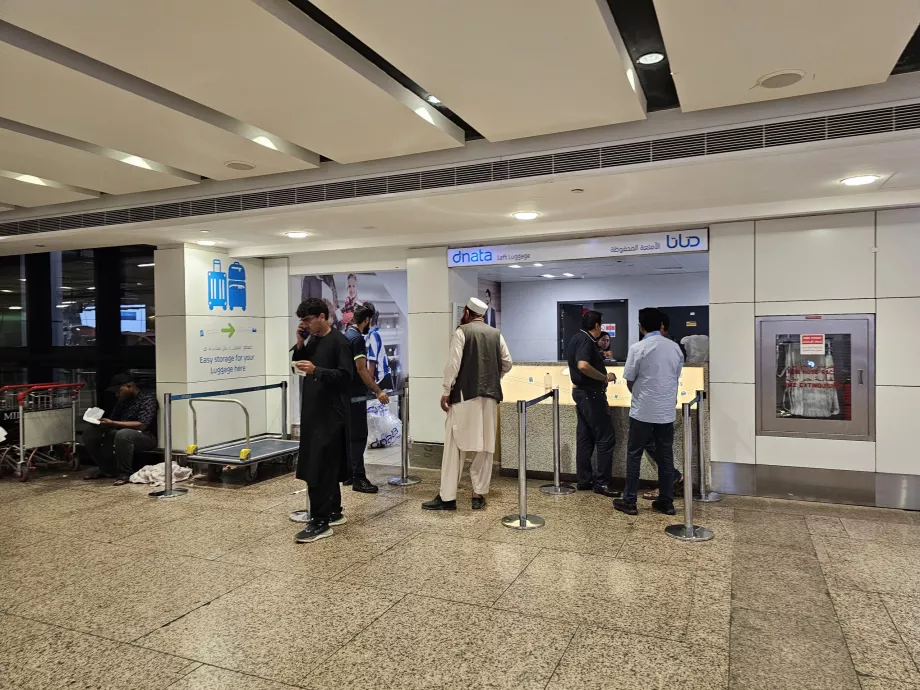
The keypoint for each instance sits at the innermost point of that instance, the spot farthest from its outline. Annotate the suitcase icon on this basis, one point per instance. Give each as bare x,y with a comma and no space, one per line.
236,286
217,286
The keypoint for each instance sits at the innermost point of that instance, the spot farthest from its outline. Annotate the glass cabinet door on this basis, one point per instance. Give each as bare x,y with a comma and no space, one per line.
815,376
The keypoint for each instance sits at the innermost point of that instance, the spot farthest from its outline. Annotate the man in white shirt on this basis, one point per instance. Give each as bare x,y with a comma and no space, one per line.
652,374
478,360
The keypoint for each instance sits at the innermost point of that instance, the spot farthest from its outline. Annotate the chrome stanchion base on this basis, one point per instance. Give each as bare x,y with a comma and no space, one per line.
300,516
709,497
523,521
176,492
403,481
553,490
695,534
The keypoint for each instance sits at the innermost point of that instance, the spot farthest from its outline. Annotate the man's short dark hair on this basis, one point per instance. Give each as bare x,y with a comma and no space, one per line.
363,312
590,320
488,292
665,320
313,306
650,319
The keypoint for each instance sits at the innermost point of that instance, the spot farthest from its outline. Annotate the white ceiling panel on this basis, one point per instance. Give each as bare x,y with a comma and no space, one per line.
19,193
46,159
514,68
46,95
719,49
240,59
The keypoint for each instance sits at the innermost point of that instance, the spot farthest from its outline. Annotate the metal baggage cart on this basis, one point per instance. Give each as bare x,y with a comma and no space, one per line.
45,429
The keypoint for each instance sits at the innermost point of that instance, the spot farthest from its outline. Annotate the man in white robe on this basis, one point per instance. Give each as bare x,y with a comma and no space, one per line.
477,361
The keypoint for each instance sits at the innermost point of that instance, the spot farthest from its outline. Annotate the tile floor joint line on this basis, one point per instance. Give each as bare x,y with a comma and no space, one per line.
562,656
898,630
843,634
527,565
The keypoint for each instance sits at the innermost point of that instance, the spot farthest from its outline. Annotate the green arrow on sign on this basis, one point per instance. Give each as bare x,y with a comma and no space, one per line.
230,330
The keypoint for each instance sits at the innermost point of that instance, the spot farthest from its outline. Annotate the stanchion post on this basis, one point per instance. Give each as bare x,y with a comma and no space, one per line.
704,495
557,488
284,411
688,531
522,520
168,490
404,479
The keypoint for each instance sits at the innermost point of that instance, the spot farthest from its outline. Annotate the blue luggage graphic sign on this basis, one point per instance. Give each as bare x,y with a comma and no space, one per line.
227,289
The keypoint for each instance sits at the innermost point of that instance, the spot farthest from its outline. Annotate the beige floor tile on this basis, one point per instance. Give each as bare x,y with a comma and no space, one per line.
234,498
825,526
356,506
592,590
137,597
873,566
838,510
212,678
463,522
567,530
913,516
746,502
35,656
14,539
207,534
352,543
709,623
905,613
657,547
438,565
868,683
777,559
429,643
779,651
782,530
875,645
874,530
278,627
798,592
35,509
610,660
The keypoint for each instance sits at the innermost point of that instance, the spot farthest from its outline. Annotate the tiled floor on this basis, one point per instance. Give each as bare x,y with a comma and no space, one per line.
102,587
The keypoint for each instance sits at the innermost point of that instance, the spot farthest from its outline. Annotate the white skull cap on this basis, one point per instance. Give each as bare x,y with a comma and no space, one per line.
477,306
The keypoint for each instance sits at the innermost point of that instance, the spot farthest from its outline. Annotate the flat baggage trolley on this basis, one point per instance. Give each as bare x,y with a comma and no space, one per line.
44,434
247,452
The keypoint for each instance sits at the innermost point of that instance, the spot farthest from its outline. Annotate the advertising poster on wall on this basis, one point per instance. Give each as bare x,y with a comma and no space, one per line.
490,292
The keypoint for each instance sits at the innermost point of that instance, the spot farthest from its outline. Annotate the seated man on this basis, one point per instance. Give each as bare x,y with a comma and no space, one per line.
131,428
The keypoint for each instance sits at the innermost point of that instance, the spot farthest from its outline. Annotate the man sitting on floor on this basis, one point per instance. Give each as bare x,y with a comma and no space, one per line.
130,429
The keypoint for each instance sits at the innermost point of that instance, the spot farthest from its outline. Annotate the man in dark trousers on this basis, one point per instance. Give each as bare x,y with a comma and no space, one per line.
361,383
325,361
595,427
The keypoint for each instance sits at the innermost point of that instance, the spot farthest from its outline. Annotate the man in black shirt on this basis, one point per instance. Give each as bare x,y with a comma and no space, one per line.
361,382
325,416
595,428
130,428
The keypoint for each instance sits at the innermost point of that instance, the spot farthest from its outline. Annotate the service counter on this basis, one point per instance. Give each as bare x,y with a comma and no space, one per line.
528,380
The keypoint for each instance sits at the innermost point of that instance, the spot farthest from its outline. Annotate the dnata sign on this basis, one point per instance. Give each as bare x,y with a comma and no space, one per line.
590,248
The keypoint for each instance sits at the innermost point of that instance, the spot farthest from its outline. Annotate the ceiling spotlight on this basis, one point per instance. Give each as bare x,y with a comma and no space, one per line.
434,100
514,266
90,288
206,243
239,165
781,79
577,190
5,290
266,142
569,275
547,275
859,180
22,280
136,161
650,58
145,265
30,179
15,308
538,265
423,113
525,215
205,232
297,234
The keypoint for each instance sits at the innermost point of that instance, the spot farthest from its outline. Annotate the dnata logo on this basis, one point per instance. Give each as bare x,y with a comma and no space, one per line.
682,242
473,256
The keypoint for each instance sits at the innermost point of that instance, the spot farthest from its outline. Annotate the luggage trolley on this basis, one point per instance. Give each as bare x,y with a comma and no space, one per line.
45,431
247,452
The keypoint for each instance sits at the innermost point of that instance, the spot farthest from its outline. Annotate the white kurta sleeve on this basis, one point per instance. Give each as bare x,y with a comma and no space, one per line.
455,356
506,356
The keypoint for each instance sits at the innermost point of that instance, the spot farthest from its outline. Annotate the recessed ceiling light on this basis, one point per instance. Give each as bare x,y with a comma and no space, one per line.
577,190
781,79
525,215
145,265
297,234
22,280
205,232
5,290
650,58
434,100
266,142
136,161
514,266
538,265
239,165
859,180
90,288
64,287
15,308
569,275
547,275
31,179
206,243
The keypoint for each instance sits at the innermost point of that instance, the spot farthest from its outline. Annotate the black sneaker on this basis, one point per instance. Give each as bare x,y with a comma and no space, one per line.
437,504
362,485
313,533
337,519
479,502
663,507
625,507
607,490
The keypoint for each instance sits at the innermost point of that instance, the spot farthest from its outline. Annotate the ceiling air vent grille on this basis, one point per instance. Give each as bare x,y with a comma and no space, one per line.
792,132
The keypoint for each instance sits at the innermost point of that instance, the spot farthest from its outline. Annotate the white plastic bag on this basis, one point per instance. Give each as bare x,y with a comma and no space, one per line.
156,474
384,429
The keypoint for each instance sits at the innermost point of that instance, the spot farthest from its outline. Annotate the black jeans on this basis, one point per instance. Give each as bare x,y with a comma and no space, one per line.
113,449
641,434
326,493
650,449
594,431
358,439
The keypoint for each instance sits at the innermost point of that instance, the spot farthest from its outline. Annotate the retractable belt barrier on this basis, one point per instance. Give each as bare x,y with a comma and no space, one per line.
688,531
705,495
557,488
